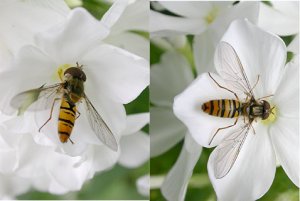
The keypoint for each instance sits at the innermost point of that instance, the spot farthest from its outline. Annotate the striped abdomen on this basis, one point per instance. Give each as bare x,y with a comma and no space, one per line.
66,120
225,108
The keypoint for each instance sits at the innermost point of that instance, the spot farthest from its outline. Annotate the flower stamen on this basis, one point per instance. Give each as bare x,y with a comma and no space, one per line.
211,16
59,74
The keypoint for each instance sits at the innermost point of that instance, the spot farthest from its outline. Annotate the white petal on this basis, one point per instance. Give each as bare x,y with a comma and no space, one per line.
253,171
205,44
28,59
265,59
136,122
103,158
188,9
164,25
204,48
114,13
21,20
143,185
134,17
131,42
285,137
286,97
168,78
12,185
119,75
66,42
165,130
176,182
135,149
282,22
188,108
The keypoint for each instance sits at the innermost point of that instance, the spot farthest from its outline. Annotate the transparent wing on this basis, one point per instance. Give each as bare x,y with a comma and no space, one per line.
231,69
228,151
99,126
36,99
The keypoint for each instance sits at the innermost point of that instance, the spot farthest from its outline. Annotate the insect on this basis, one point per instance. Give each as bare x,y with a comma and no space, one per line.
251,109
70,92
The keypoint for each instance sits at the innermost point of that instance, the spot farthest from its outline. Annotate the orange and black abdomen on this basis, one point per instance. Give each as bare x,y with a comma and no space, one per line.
66,120
225,108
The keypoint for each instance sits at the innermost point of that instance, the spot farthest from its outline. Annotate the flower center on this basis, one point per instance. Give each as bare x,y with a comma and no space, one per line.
272,117
59,74
211,16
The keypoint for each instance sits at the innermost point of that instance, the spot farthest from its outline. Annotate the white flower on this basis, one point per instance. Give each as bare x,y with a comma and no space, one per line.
134,143
281,18
168,78
134,18
114,77
206,20
261,54
143,185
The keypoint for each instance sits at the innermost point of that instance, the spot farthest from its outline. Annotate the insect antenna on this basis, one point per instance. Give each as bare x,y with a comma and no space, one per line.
79,66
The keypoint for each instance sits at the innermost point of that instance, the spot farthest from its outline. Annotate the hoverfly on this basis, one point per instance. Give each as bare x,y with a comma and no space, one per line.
69,92
251,109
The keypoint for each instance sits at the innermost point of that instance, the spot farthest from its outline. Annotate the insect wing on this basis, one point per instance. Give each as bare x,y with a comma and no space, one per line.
36,99
99,126
231,69
228,151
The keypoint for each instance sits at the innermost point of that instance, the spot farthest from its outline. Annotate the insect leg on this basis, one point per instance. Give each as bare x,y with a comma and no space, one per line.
265,97
223,87
254,84
78,114
71,141
222,129
56,99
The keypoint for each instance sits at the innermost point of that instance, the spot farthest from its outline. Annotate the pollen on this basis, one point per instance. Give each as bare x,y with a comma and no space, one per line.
59,74
211,16
272,117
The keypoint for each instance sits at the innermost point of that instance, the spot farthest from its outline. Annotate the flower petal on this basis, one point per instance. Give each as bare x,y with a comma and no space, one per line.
168,78
204,44
253,171
143,185
136,122
260,53
285,138
164,25
282,19
135,149
20,20
131,42
286,97
114,13
118,74
187,107
28,59
175,185
66,42
133,18
165,130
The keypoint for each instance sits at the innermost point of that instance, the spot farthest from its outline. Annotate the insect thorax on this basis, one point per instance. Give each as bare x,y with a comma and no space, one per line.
74,88
259,109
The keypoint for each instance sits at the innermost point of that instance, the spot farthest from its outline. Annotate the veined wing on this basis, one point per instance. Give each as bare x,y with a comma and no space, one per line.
228,151
231,69
36,99
99,126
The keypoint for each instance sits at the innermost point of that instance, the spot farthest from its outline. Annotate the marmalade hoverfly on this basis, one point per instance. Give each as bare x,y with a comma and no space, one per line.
251,109
70,92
